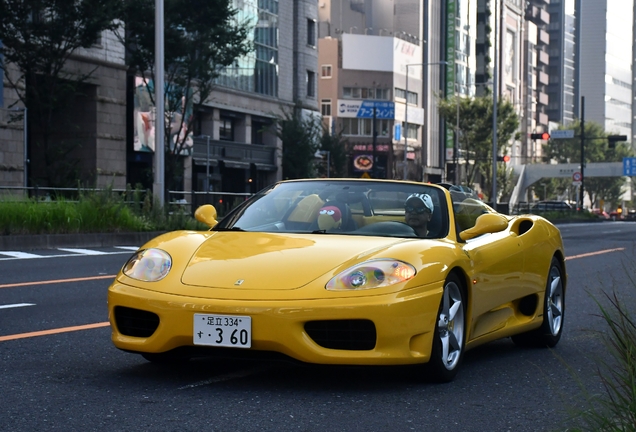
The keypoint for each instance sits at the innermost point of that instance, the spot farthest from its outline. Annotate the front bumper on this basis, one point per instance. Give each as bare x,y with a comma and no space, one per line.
404,323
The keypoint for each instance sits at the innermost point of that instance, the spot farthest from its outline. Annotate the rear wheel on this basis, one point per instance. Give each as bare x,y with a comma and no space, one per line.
549,333
449,337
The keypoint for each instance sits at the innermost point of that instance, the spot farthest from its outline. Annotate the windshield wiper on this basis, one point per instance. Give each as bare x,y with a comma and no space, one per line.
229,229
319,231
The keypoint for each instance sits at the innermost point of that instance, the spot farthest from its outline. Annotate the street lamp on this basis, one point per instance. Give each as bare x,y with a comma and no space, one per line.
406,109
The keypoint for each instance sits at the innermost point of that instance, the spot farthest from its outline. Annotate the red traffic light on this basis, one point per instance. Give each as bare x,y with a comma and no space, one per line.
542,136
504,158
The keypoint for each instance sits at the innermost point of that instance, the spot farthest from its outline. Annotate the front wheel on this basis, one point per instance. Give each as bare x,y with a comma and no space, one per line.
549,333
449,337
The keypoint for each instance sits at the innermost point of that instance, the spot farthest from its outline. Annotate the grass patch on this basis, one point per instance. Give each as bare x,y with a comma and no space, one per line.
89,212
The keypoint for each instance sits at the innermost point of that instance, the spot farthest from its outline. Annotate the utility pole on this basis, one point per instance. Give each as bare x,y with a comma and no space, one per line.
582,187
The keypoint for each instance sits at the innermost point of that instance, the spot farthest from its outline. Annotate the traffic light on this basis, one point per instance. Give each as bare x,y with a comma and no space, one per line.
504,158
612,139
541,136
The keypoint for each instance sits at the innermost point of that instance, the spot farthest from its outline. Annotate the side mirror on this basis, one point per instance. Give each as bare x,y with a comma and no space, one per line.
487,223
206,214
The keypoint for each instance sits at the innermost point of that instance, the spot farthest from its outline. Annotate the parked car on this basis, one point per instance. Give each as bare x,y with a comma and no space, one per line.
631,215
327,271
551,206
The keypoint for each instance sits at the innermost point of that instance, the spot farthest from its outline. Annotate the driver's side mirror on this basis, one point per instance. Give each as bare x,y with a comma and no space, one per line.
487,223
206,214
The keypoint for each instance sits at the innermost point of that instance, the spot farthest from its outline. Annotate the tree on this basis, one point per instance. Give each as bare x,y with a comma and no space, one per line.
336,145
596,150
201,38
38,39
301,135
475,133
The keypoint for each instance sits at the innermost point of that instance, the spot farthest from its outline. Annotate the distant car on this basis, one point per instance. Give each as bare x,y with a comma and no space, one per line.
551,206
631,215
328,272
601,214
615,215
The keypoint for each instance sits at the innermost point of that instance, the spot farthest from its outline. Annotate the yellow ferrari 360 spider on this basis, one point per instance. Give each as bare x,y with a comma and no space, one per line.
342,271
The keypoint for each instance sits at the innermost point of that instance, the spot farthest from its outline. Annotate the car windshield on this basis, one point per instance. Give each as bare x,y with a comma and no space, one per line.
351,207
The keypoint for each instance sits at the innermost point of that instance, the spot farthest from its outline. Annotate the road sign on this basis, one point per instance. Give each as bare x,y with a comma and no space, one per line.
561,134
397,132
577,177
629,166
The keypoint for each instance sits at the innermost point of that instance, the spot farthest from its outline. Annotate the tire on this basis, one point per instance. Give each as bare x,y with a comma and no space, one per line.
549,334
449,337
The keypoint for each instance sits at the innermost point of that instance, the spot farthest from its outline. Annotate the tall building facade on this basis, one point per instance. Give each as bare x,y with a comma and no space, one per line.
562,90
606,62
378,54
235,145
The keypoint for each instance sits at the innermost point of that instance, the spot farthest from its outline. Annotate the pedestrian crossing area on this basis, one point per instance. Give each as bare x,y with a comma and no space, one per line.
65,252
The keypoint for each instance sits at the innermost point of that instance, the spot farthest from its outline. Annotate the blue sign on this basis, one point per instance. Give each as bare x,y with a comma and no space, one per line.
397,132
629,166
383,110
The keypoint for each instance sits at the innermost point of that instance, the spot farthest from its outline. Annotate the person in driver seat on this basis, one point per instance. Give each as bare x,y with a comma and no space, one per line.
418,209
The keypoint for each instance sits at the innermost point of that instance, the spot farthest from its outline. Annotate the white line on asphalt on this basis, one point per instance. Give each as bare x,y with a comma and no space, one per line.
226,377
64,255
130,248
22,255
83,251
16,305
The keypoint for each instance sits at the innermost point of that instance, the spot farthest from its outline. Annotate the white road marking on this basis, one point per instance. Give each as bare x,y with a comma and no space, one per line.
16,305
130,248
64,255
83,251
226,377
22,255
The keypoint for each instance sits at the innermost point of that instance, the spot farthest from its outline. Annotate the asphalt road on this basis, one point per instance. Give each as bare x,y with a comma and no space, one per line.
61,372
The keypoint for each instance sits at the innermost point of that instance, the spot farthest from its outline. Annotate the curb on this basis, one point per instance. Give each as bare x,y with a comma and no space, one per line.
52,241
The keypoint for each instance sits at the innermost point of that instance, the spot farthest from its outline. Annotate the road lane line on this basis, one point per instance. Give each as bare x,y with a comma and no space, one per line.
65,255
16,305
130,248
594,253
46,282
226,377
53,331
83,251
22,255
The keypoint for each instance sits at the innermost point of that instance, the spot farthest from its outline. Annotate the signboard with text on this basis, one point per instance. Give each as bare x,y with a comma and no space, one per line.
629,166
364,109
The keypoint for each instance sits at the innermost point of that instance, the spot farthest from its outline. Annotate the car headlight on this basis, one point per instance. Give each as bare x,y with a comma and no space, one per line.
377,273
148,265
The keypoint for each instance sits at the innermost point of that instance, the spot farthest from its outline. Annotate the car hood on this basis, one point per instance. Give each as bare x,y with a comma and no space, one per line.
249,260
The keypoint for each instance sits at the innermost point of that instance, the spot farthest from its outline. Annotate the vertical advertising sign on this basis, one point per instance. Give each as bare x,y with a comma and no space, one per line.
451,8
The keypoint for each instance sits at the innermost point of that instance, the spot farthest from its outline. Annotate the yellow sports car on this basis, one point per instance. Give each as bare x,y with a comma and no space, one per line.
342,271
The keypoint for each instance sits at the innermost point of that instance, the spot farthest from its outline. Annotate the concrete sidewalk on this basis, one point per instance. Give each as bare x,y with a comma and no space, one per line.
52,241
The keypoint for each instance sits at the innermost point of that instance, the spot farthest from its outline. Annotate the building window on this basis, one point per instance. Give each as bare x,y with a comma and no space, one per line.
226,129
400,93
366,93
325,107
311,84
412,131
364,127
326,71
311,32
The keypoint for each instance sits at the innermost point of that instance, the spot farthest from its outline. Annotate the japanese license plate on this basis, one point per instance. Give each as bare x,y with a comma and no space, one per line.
223,330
